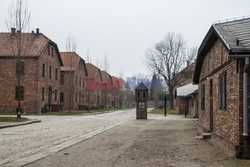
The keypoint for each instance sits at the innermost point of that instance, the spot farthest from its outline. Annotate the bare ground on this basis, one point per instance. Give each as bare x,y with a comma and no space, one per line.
159,141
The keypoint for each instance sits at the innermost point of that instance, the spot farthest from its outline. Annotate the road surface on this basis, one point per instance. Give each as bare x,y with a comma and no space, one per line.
18,144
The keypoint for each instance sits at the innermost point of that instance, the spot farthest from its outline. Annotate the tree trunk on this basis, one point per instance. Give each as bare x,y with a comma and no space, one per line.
171,97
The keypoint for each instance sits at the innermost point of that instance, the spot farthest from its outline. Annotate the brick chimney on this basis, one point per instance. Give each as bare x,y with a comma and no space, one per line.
13,31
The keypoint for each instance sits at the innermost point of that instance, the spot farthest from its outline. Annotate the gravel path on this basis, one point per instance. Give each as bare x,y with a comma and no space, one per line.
159,141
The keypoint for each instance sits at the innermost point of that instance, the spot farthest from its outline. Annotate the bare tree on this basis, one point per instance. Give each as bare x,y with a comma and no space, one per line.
167,58
71,47
106,63
191,54
18,19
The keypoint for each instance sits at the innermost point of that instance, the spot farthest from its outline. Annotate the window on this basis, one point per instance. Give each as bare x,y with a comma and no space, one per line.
138,95
61,97
83,98
20,68
144,95
76,98
141,105
49,72
43,92
55,94
48,50
80,97
52,51
80,81
83,81
76,80
19,92
203,97
222,91
43,72
62,79
56,73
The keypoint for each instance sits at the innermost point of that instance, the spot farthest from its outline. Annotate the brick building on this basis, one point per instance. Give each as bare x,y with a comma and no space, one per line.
117,85
40,63
185,77
94,84
73,92
107,90
222,63
186,99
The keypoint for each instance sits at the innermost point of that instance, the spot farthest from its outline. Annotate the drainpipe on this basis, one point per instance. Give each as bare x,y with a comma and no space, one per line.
245,100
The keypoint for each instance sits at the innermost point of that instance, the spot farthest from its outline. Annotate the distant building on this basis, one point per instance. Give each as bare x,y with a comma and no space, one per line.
185,77
107,90
94,86
187,103
73,92
39,71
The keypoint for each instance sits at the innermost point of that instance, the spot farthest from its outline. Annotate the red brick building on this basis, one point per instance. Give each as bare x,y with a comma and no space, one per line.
186,77
222,74
187,101
39,75
107,90
73,92
117,86
94,85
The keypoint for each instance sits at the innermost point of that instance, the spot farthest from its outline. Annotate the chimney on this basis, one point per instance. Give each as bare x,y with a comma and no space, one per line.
237,42
188,62
13,31
32,32
37,31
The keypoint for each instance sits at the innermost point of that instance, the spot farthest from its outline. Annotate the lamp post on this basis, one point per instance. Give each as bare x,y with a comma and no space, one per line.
165,105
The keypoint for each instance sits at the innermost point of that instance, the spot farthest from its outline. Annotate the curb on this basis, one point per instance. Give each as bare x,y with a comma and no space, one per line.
20,124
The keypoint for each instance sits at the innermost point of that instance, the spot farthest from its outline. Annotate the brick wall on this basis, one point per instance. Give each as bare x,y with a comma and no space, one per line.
49,60
225,121
8,83
75,84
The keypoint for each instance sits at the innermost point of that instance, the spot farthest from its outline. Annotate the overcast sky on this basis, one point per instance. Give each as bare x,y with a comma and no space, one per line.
124,29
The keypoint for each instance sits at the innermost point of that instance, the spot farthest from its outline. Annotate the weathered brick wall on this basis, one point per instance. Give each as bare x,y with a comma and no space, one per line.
74,83
8,83
225,121
46,82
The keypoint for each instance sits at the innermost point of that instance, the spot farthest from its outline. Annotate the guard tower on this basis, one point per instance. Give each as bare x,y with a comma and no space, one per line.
141,97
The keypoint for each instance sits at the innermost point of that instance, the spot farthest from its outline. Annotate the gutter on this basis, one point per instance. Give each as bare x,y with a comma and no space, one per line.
245,98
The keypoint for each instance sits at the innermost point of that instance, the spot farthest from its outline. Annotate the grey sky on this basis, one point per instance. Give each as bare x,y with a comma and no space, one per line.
124,29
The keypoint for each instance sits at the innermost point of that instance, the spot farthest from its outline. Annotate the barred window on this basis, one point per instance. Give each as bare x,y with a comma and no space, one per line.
203,94
20,68
61,97
43,70
222,91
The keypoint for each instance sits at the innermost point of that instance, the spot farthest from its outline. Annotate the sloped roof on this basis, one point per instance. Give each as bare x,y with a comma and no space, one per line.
186,90
93,70
232,31
235,35
106,77
71,61
33,45
141,86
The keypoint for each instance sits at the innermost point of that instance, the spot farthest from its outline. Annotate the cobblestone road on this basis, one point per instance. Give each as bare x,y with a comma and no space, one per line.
23,141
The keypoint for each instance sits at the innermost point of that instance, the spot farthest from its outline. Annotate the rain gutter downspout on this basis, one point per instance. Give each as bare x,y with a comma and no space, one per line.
245,94
245,99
